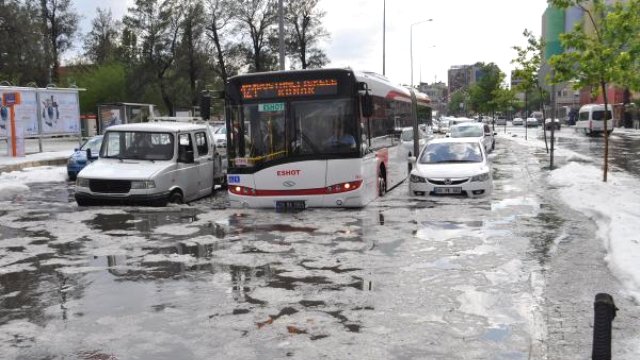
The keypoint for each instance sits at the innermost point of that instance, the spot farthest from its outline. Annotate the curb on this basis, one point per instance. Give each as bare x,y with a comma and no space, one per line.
34,163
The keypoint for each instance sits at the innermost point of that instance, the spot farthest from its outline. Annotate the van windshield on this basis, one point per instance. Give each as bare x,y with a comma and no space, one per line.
137,145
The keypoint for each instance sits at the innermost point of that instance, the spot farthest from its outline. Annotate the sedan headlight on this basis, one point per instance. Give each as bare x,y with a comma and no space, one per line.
143,184
481,177
82,182
416,179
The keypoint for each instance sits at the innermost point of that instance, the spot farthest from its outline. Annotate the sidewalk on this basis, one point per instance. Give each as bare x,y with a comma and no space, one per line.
55,152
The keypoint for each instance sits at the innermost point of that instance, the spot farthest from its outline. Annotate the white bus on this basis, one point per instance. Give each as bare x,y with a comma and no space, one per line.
301,139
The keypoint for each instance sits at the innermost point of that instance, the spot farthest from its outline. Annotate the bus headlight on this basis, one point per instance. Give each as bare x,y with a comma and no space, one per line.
143,184
481,177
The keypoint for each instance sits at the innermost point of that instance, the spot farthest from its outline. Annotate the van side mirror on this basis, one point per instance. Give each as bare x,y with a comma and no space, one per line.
89,154
413,159
185,156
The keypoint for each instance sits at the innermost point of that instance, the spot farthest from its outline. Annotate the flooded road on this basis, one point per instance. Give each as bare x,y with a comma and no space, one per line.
404,278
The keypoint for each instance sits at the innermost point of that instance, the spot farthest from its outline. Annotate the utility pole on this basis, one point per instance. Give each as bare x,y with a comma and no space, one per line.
384,34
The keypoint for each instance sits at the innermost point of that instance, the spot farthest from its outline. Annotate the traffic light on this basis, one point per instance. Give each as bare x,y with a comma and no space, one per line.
205,105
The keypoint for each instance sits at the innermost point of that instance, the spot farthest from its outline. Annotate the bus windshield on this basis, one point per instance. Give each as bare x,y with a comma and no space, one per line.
278,130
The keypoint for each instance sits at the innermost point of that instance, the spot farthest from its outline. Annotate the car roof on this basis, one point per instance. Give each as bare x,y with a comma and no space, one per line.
468,124
167,126
455,140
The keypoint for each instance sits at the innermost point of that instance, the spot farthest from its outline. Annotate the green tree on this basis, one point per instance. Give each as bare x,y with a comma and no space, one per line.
481,94
21,43
608,55
304,31
529,62
104,83
457,98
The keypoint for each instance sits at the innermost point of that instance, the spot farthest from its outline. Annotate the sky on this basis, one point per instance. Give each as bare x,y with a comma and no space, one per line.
460,32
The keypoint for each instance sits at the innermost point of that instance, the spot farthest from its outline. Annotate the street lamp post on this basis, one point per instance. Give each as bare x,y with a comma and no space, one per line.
411,44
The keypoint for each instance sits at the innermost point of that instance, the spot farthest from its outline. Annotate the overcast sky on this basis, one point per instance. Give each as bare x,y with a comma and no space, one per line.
461,32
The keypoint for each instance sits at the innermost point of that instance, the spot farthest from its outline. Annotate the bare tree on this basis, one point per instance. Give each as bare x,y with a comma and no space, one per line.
60,24
256,18
220,17
101,42
156,24
191,45
304,31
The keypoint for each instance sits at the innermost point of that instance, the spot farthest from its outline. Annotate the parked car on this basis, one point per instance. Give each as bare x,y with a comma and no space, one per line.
532,122
501,121
83,155
220,136
517,121
451,166
152,163
549,124
479,131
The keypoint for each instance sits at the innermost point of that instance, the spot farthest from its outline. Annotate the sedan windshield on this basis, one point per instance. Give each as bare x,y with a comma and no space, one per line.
463,152
137,145
94,144
466,131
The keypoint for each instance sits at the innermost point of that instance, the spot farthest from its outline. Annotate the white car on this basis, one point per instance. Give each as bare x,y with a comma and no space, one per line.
220,137
532,122
451,166
549,124
406,140
479,131
517,121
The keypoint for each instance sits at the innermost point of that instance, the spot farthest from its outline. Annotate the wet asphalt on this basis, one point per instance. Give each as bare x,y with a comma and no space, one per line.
511,276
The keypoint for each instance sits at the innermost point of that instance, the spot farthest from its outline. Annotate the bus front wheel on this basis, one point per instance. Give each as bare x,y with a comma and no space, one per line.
382,185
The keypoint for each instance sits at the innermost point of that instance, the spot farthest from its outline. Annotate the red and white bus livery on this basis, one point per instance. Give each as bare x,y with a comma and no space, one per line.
316,138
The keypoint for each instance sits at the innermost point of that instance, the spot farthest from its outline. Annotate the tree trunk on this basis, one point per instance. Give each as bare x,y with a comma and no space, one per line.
606,131
165,97
544,117
222,67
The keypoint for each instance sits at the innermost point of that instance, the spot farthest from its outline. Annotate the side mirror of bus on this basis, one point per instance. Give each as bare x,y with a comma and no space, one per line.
367,105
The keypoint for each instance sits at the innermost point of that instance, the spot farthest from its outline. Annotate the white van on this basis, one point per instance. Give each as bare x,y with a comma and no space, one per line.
152,163
591,119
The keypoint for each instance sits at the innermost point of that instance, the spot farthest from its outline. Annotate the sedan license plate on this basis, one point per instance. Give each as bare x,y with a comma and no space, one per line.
295,205
447,190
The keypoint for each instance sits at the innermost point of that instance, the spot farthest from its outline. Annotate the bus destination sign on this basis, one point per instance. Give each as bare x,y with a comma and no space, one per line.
270,90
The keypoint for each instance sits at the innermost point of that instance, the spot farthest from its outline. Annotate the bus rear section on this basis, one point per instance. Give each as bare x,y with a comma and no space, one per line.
299,185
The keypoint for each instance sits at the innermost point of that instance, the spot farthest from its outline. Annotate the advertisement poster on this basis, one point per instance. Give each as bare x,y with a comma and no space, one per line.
59,111
26,113
109,115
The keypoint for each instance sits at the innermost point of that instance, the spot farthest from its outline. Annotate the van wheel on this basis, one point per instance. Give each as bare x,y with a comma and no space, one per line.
176,197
